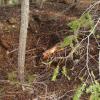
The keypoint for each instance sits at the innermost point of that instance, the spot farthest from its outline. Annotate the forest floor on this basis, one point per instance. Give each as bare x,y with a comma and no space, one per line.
47,27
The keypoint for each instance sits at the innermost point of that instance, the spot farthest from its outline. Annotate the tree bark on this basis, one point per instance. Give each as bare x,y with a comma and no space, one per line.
23,38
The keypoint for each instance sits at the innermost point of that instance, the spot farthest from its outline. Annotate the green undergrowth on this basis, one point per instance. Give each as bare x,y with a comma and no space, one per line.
93,90
12,77
85,21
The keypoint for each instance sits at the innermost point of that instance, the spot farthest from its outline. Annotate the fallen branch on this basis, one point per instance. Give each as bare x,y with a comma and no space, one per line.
51,15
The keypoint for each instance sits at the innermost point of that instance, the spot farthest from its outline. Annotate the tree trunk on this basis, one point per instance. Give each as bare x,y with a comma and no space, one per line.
22,38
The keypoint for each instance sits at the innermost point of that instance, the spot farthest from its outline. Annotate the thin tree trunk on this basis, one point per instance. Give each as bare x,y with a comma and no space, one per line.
22,38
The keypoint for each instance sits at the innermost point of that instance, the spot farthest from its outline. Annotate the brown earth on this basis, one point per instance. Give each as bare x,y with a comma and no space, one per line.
47,27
